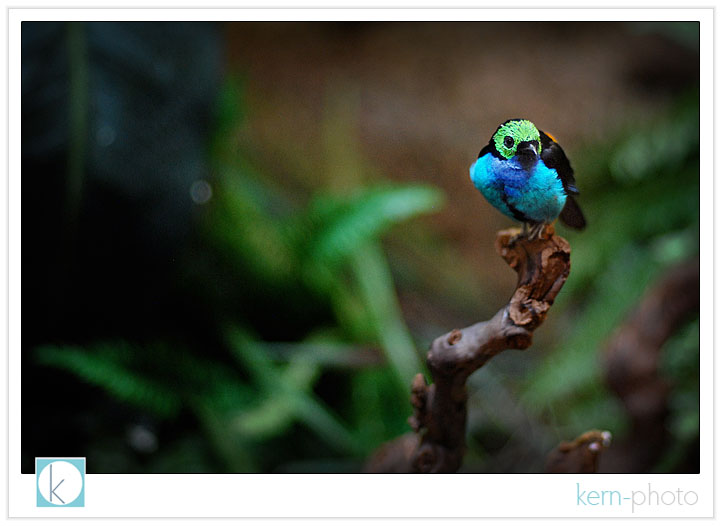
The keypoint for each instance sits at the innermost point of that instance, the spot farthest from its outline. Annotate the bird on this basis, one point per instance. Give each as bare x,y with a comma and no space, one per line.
525,174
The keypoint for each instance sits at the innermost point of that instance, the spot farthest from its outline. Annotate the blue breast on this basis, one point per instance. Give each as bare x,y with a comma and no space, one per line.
534,195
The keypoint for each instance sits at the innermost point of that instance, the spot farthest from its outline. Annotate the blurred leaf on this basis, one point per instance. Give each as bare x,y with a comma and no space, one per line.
109,366
236,452
686,33
275,413
680,365
380,414
272,416
303,403
325,353
230,109
574,367
657,148
377,290
239,223
343,225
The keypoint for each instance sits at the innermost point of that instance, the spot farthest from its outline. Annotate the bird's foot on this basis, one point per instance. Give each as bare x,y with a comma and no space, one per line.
520,235
536,231
532,232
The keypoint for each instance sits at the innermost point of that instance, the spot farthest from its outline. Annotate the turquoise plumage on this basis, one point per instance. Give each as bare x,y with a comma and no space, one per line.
525,174
537,193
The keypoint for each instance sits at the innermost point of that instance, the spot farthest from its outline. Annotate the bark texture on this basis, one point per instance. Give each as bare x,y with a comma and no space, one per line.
439,419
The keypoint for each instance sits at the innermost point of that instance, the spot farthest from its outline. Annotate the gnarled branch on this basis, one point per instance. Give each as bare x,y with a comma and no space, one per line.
439,418
581,455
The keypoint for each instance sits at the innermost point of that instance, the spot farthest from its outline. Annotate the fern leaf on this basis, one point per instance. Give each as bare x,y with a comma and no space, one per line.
344,226
107,366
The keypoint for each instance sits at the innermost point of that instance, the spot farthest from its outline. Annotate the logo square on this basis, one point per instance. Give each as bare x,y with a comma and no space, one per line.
60,482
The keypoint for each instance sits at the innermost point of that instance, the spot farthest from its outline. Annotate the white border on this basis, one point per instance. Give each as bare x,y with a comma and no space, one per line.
353,13
354,495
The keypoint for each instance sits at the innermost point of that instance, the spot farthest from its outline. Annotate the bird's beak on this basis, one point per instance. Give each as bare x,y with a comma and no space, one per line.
528,148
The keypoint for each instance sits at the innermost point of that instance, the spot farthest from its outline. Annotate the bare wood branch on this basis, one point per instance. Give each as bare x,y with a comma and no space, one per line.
581,455
439,418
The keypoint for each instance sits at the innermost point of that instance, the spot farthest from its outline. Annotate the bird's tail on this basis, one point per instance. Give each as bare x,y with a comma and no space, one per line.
572,215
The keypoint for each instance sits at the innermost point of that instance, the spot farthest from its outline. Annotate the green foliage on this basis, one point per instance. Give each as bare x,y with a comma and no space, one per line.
110,366
308,359
680,366
287,389
643,211
340,225
315,273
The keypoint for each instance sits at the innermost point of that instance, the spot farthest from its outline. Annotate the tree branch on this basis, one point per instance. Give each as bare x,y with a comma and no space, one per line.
581,455
439,418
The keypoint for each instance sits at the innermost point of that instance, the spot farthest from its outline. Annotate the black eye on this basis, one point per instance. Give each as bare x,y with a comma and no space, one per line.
508,141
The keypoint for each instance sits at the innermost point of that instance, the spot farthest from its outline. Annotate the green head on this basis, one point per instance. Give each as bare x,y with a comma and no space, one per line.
512,133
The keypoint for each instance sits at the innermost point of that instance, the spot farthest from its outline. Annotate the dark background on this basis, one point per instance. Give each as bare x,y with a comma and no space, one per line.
239,239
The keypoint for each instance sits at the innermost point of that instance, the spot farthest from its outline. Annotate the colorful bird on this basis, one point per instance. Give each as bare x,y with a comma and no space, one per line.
525,174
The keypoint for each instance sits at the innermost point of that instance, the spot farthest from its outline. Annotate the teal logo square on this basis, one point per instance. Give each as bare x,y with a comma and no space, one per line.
60,482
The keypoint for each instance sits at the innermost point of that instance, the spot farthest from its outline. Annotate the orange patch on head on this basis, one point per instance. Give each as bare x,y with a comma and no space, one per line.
551,137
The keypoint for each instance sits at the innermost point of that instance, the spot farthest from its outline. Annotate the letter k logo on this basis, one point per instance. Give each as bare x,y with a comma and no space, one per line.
54,489
60,482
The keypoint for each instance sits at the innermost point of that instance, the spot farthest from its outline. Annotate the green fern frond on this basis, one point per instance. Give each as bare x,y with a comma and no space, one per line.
343,225
108,367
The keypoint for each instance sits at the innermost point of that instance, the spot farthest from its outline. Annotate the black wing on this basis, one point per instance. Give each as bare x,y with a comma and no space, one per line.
554,157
